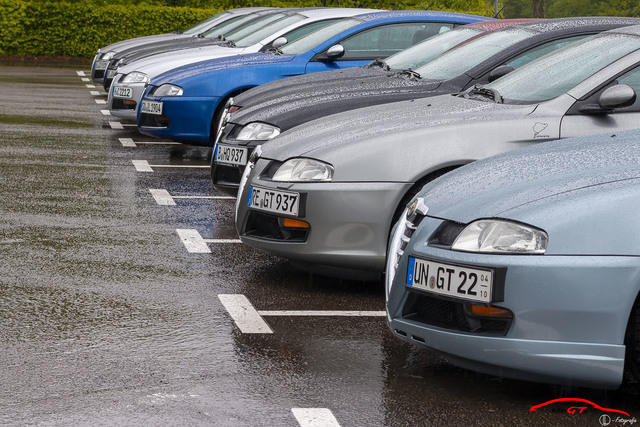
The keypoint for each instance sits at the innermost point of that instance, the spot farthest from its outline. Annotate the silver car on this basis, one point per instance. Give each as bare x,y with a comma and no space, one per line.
326,193
104,54
131,80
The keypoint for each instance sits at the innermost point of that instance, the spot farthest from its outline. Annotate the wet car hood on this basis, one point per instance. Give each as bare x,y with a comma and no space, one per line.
161,63
323,138
140,41
517,184
144,51
179,74
290,102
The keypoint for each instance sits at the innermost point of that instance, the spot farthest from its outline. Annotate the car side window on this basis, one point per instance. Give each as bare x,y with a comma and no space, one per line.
541,50
631,78
305,30
385,40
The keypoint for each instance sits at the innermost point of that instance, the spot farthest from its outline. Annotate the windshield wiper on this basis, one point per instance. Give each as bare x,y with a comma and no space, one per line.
378,63
274,50
486,92
229,43
409,72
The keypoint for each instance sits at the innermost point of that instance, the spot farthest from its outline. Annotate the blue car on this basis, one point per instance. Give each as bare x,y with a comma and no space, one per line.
527,265
185,104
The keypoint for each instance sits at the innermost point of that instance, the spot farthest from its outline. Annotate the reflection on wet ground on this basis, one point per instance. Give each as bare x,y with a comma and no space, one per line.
106,318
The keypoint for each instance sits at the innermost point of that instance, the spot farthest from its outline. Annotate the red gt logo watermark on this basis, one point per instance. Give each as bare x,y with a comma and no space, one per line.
576,405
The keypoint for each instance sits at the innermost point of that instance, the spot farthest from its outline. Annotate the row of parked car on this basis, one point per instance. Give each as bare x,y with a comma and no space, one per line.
430,149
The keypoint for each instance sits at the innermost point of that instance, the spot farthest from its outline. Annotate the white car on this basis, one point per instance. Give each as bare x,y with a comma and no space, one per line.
131,80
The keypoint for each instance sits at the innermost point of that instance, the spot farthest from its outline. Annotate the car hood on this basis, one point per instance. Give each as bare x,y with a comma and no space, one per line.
139,41
325,138
176,75
518,184
289,104
163,62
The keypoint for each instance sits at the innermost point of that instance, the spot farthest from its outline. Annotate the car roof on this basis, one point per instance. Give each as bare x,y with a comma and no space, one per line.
499,24
633,30
335,11
420,14
249,9
572,24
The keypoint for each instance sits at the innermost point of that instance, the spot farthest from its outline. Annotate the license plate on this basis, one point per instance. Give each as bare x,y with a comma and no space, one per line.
151,107
122,92
450,280
231,155
101,64
282,202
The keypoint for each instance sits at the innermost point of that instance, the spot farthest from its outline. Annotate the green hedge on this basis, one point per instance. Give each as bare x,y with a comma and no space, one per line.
77,29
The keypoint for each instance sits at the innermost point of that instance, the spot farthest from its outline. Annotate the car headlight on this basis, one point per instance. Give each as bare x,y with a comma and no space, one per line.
108,55
394,253
258,132
135,77
302,170
168,90
500,236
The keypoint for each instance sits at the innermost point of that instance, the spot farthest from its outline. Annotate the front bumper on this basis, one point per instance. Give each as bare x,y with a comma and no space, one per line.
123,107
188,118
227,177
98,68
570,315
349,222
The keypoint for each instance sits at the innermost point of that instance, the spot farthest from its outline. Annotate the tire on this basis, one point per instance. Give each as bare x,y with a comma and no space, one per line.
632,354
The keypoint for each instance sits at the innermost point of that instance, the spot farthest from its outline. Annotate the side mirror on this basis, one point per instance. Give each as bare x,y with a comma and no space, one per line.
618,96
335,51
279,42
500,71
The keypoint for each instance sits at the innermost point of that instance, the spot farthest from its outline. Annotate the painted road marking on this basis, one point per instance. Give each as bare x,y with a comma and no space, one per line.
193,241
105,112
323,313
315,417
142,165
244,314
94,92
85,79
80,73
116,125
162,197
129,142
100,101
90,86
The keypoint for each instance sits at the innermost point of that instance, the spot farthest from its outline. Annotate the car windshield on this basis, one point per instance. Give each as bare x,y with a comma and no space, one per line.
203,25
558,72
261,33
228,26
461,59
429,49
252,26
316,38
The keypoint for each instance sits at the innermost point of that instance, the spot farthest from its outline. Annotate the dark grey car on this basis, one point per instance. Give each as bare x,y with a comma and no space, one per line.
290,102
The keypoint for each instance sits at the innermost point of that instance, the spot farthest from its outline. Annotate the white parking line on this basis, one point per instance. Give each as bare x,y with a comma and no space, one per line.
244,314
142,165
90,86
323,313
80,73
193,241
100,101
315,417
94,92
129,142
162,197
105,112
85,79
116,125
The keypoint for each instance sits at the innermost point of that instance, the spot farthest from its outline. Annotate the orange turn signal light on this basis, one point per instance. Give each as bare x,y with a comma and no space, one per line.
130,102
233,108
294,223
483,311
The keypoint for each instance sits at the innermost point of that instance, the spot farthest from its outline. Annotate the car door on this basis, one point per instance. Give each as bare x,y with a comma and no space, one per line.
578,121
377,42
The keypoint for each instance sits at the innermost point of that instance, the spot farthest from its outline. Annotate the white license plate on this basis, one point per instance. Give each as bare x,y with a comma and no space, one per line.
101,64
151,107
282,202
231,155
450,280
122,92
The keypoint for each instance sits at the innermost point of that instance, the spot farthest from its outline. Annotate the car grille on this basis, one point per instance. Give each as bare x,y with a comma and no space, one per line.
267,226
119,104
227,176
153,121
450,314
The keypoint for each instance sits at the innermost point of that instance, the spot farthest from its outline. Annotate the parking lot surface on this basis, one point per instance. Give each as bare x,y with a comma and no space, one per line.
125,297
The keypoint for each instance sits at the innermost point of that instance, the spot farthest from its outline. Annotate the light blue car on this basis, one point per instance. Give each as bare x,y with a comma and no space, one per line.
527,265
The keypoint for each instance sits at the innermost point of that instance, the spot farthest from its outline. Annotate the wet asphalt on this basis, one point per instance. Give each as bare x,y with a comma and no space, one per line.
106,318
